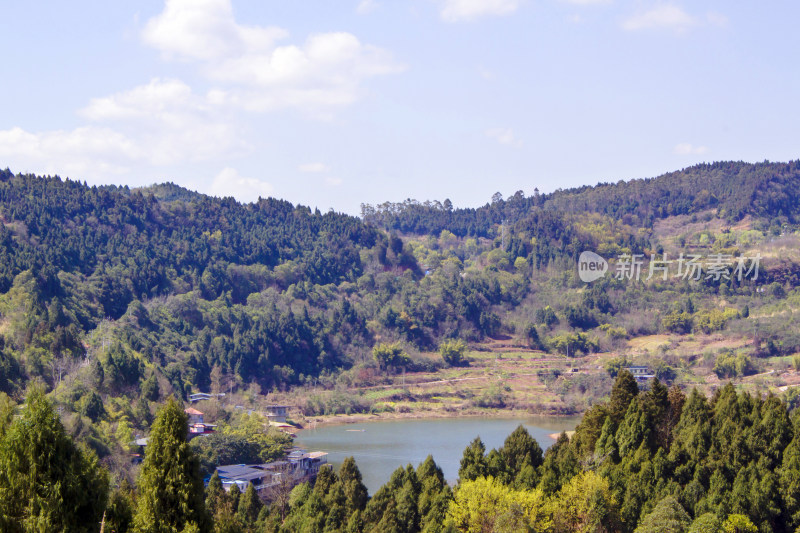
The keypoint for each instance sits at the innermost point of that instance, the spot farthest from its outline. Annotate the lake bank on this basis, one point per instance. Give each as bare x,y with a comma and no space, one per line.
311,422
382,445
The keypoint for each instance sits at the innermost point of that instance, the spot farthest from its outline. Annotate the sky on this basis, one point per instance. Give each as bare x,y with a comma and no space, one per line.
333,103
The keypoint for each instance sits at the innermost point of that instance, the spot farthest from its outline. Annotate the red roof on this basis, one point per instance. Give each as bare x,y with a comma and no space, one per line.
191,411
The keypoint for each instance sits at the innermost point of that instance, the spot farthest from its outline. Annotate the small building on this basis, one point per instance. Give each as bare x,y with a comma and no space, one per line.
197,425
261,476
298,467
203,396
195,416
277,413
641,374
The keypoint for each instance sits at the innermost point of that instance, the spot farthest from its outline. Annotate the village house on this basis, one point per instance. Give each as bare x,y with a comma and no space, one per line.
641,374
197,424
277,413
299,466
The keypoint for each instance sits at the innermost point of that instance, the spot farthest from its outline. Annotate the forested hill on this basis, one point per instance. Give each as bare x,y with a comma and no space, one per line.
735,189
136,246
108,292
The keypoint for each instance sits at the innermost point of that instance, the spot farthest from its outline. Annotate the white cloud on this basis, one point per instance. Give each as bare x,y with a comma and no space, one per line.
503,136
160,123
205,30
326,71
83,153
366,6
169,122
230,183
689,149
663,16
332,181
165,123
465,10
313,167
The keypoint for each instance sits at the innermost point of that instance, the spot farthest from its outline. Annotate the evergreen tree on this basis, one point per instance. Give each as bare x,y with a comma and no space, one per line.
119,513
215,494
473,462
522,454
249,505
47,483
625,389
560,465
355,491
171,497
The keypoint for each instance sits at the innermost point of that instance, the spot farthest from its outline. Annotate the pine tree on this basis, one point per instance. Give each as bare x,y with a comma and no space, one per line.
520,450
171,494
215,494
47,483
473,462
789,480
559,466
625,389
119,513
249,505
355,491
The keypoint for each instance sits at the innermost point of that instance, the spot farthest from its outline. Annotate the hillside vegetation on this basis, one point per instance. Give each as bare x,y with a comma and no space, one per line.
113,299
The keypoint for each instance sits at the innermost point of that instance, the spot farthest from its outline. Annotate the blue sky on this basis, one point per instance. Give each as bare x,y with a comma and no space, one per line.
331,104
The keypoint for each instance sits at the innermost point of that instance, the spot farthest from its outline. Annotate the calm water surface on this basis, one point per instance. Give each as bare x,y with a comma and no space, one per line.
380,447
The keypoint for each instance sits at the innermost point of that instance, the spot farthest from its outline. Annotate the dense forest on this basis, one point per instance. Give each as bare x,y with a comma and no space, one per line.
736,189
113,300
644,461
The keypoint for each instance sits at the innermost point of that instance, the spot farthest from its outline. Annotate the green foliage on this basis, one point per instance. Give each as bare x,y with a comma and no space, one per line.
522,456
677,322
585,504
737,523
355,492
247,440
706,523
485,504
614,365
546,316
452,352
121,505
473,462
713,320
47,483
573,343
731,364
531,335
390,355
170,489
667,517
249,505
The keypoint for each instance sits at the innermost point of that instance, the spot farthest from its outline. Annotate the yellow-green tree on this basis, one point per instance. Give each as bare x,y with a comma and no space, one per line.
585,504
485,504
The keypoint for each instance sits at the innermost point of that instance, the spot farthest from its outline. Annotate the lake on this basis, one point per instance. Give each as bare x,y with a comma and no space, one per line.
379,447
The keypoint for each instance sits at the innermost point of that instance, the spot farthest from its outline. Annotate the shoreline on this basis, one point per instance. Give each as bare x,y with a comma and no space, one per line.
313,422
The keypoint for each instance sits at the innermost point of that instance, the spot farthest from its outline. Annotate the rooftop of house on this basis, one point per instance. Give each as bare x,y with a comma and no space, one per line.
316,455
243,472
192,411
